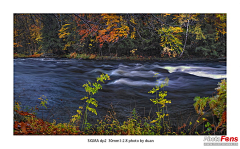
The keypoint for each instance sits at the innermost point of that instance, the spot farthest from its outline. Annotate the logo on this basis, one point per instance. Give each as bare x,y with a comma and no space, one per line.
220,141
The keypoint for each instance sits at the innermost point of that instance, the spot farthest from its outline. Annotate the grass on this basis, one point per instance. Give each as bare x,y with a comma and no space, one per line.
131,58
16,55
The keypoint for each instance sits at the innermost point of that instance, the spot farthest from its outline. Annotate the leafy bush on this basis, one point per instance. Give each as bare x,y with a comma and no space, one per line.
216,103
92,56
16,55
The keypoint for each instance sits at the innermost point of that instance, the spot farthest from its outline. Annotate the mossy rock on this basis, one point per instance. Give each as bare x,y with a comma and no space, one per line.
18,117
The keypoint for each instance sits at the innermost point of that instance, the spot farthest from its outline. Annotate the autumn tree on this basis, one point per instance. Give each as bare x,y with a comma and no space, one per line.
207,37
27,33
116,28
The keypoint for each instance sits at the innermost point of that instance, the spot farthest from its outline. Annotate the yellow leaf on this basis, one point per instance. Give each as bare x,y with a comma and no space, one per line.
204,119
153,121
84,98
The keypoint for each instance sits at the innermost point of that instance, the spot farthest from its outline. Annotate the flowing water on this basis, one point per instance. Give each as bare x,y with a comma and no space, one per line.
61,80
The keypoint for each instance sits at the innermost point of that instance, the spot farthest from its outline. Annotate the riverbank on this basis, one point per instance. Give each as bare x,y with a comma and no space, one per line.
30,124
126,58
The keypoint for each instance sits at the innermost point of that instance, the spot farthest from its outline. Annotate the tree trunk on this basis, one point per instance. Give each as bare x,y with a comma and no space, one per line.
99,51
35,47
29,48
185,40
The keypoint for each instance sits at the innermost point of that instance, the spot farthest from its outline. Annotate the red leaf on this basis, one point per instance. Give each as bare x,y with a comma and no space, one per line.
23,127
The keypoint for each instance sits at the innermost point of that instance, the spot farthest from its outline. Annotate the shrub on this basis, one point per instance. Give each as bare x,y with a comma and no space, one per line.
92,56
216,103
36,55
160,101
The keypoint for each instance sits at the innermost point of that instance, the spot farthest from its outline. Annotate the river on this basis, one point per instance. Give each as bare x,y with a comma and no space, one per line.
61,80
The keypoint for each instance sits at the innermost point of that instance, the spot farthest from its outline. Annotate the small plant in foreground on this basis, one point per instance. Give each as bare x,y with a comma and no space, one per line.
43,101
91,89
160,101
17,106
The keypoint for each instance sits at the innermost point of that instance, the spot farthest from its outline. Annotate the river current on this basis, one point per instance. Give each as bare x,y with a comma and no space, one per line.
61,80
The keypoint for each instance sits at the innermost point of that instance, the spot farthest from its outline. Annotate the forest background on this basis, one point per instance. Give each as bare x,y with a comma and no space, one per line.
198,35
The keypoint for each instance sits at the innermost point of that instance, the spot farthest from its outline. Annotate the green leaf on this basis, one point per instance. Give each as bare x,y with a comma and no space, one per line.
209,129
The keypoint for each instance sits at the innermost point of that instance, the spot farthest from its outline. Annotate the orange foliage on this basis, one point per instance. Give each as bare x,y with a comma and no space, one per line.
17,45
114,29
25,113
183,126
92,56
223,120
36,126
36,55
86,28
73,55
